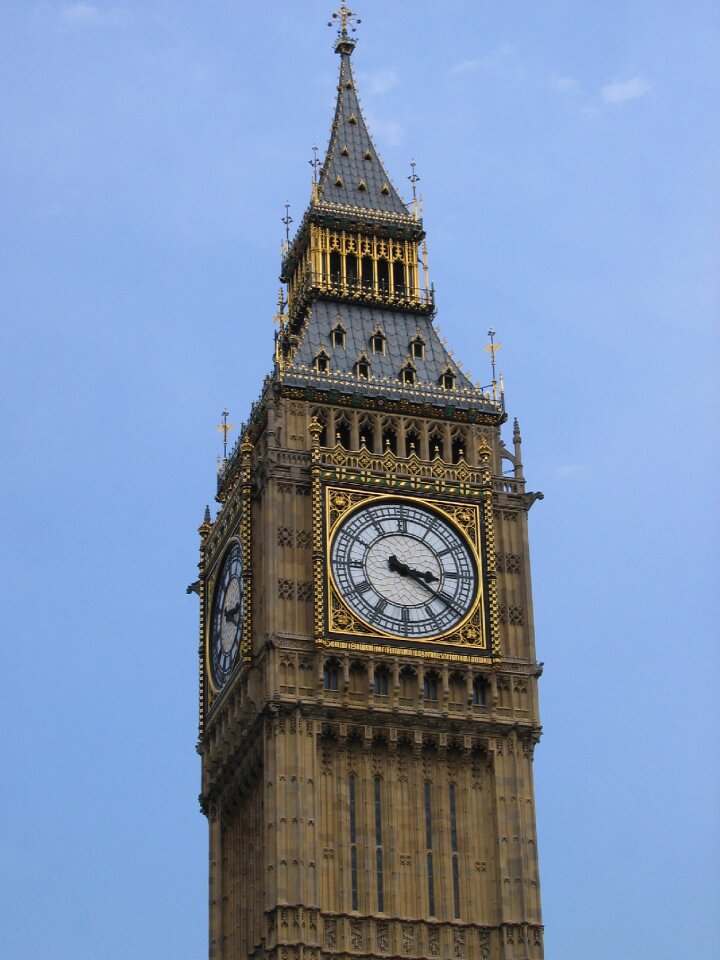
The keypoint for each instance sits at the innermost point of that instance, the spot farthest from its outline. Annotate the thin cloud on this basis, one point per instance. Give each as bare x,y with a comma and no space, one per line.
379,82
77,15
568,470
502,59
562,83
619,91
465,66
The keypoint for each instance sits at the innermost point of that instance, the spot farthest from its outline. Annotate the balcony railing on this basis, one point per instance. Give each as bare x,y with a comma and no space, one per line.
382,292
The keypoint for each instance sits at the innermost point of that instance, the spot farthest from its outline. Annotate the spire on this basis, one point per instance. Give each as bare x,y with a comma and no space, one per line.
352,174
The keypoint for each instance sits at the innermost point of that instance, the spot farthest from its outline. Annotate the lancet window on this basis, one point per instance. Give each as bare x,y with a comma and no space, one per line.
448,379
417,347
362,367
321,363
366,427
342,431
378,341
459,446
412,441
338,335
479,692
437,445
389,437
408,373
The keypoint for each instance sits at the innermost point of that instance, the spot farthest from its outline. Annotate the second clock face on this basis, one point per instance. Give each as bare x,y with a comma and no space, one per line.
227,617
404,569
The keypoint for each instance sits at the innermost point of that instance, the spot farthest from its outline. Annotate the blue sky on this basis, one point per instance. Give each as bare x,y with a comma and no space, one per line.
568,153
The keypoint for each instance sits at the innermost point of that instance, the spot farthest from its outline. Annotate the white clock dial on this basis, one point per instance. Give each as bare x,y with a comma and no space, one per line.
404,569
227,617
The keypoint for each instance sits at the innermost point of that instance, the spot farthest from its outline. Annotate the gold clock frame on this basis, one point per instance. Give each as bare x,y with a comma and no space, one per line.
339,504
240,533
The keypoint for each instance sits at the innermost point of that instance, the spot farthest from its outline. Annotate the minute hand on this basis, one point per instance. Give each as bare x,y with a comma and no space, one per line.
418,578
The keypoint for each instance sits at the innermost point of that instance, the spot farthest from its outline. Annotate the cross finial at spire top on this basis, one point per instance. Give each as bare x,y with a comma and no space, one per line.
345,20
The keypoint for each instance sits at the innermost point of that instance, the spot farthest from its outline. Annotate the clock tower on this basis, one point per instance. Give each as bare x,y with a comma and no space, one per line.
368,678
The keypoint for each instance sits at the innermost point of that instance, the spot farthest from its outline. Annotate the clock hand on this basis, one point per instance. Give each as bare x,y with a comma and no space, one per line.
405,571
232,612
424,580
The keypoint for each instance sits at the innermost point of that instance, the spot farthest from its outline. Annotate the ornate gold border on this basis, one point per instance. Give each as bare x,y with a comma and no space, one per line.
339,502
241,533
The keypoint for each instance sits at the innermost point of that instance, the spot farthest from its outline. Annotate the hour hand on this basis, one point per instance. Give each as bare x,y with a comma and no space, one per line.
231,613
405,571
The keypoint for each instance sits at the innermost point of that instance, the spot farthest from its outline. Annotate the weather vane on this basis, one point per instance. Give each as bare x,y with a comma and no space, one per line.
492,348
314,163
287,220
346,19
224,428
413,178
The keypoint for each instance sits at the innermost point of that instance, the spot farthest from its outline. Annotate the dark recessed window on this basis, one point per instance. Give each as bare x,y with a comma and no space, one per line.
338,337
322,362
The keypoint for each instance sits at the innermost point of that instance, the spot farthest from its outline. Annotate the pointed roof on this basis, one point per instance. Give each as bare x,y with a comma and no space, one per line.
353,174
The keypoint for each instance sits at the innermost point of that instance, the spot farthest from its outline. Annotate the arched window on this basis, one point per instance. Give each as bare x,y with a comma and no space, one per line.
377,341
430,686
417,347
480,692
338,335
362,368
399,278
412,441
381,683
321,363
447,379
367,433
407,374
389,437
437,445
342,431
459,448
331,676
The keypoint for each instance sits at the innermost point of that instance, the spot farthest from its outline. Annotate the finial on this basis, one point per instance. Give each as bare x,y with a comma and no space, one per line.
287,220
516,431
413,178
314,163
224,428
206,517
492,348
279,317
344,18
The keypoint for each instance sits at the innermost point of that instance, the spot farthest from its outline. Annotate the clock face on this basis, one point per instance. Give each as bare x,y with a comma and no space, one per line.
227,617
404,569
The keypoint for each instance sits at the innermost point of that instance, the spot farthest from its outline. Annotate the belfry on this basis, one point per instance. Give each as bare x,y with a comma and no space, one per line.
368,678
